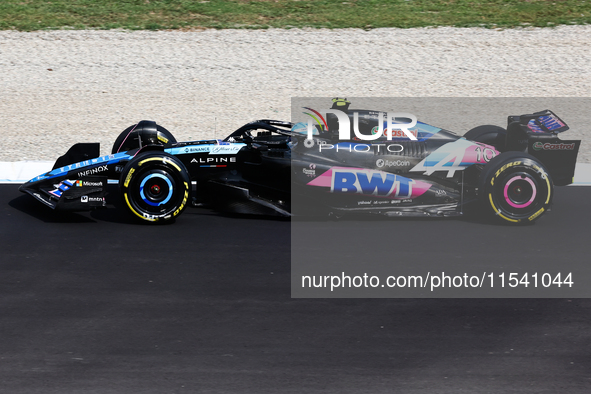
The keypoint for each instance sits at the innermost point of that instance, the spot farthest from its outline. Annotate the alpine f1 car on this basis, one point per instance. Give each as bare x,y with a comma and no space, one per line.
274,167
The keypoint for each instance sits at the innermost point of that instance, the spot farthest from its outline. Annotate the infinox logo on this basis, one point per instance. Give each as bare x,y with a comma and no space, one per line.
345,124
549,146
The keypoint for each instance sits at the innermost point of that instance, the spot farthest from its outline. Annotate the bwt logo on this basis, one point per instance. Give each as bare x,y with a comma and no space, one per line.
345,124
371,183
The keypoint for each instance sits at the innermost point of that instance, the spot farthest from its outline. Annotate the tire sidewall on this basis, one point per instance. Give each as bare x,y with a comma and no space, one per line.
157,167
514,169
128,139
488,134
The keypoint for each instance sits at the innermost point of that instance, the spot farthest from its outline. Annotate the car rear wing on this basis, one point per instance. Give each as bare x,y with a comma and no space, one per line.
537,134
540,122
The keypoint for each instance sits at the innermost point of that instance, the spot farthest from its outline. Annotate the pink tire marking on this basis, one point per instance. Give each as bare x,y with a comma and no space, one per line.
526,204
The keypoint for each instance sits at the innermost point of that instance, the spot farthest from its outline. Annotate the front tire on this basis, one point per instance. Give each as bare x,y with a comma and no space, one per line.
516,188
155,187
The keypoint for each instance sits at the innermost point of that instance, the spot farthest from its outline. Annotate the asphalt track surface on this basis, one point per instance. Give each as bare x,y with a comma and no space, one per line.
96,303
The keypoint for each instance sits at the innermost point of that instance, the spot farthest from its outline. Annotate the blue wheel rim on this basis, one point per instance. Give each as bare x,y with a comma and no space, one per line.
146,200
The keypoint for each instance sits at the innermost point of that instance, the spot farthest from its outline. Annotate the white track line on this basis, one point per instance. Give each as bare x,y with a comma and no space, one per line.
22,171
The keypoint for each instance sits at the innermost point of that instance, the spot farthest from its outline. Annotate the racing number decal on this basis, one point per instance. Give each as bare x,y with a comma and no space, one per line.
456,156
485,154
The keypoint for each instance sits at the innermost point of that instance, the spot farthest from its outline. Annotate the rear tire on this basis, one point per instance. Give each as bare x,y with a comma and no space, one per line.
155,187
515,187
490,135
144,133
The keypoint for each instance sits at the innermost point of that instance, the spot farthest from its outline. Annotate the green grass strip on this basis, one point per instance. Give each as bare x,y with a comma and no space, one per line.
30,15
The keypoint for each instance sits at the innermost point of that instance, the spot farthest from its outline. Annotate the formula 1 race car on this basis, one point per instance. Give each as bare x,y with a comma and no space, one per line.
273,167
158,176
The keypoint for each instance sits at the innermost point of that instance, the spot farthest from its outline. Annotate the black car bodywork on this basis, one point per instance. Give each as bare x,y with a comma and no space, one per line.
272,167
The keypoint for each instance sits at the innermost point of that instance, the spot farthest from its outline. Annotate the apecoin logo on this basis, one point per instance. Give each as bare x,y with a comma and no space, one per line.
392,163
395,121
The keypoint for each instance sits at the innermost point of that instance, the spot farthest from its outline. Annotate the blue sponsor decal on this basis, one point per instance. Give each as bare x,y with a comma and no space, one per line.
87,167
61,188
